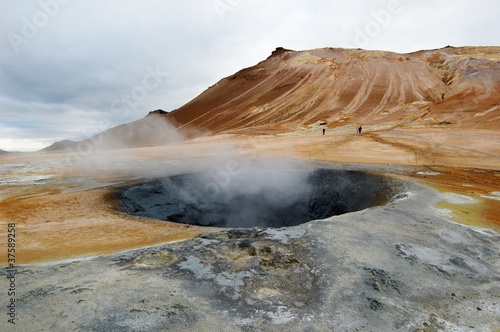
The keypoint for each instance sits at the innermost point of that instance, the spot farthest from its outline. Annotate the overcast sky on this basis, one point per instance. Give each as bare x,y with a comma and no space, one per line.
72,68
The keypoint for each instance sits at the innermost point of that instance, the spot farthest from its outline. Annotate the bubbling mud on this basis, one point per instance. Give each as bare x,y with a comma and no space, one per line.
257,197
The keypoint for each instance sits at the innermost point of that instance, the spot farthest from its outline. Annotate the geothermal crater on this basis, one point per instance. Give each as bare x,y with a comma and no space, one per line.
257,197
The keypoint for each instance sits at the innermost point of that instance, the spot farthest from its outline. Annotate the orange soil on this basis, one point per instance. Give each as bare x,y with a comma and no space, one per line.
53,225
431,110
58,226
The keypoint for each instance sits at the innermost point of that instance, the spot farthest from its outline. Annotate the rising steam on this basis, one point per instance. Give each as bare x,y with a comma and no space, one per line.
270,193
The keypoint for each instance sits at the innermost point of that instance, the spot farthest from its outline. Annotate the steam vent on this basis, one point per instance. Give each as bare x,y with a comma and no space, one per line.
263,197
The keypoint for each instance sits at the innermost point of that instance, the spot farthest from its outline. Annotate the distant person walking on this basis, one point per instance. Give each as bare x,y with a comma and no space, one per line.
359,129
324,131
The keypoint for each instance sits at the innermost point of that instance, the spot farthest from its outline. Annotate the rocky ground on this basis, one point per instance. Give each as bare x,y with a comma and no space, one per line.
398,267
428,261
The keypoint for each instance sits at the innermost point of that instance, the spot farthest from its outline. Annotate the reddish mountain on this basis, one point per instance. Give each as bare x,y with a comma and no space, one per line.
293,90
340,86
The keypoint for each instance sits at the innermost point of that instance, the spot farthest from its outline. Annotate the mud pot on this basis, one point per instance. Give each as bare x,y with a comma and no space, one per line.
257,197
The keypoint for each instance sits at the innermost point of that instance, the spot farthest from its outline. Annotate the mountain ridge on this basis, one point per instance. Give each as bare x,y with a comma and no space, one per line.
334,87
346,86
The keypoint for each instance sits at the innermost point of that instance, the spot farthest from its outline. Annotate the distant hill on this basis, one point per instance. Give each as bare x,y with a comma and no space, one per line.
151,130
2,151
160,112
65,145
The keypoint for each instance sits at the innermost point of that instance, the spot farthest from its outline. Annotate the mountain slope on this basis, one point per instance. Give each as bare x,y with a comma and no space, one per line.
149,131
64,145
293,90
450,85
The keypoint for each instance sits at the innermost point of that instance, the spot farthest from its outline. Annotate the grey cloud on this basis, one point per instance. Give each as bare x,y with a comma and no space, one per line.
90,53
